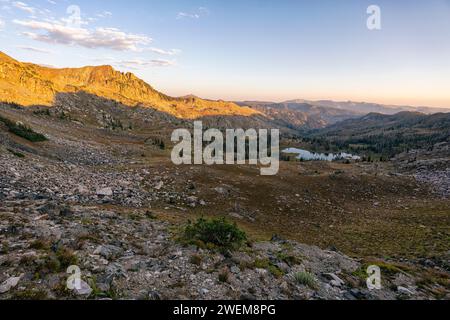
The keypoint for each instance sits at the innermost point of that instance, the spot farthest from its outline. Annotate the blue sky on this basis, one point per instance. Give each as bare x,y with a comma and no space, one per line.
248,49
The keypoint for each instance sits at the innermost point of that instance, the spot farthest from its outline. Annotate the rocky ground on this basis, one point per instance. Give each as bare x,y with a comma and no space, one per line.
430,166
94,199
130,254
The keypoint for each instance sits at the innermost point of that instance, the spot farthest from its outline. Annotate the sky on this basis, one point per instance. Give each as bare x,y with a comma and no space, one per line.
270,50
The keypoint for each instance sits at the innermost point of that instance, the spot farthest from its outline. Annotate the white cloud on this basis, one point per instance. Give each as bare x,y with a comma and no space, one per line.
171,52
2,24
200,12
136,63
182,15
51,2
110,38
104,14
34,49
24,7
147,63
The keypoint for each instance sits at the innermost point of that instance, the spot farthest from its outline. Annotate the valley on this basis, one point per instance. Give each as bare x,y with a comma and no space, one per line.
86,178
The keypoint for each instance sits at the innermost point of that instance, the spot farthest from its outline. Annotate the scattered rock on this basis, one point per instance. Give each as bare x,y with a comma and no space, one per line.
83,290
9,283
105,192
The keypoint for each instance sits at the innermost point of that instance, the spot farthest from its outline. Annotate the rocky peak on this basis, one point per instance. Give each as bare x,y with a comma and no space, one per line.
29,84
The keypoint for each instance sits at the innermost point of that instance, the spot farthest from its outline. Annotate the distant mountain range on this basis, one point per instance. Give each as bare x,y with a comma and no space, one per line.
351,107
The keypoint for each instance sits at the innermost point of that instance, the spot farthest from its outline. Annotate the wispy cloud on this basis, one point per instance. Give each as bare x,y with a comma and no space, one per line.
197,14
136,63
110,38
2,24
171,52
24,7
34,49
104,14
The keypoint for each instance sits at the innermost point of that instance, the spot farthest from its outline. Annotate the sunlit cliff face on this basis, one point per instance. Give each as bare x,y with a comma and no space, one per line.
30,84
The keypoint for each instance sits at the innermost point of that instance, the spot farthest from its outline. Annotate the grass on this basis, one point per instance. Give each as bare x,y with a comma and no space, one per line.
291,260
306,279
57,261
31,294
23,131
387,269
213,234
40,244
269,266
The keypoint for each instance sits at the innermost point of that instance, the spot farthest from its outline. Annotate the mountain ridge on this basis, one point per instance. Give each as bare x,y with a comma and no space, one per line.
30,84
361,108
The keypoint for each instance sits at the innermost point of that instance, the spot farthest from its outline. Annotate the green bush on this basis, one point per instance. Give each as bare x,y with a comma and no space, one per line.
23,131
217,233
17,154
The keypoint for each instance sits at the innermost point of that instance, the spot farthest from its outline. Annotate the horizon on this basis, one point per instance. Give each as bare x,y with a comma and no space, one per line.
344,61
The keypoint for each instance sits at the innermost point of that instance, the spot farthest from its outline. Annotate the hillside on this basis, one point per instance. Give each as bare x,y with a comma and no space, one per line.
29,84
300,115
385,134
108,196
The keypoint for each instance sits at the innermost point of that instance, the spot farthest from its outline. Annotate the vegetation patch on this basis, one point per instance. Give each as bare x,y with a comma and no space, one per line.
214,234
290,259
196,259
224,275
17,154
58,261
40,244
269,266
31,294
306,279
23,131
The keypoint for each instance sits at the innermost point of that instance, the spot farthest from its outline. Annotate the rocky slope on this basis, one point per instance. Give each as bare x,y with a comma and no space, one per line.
300,116
51,221
105,200
29,84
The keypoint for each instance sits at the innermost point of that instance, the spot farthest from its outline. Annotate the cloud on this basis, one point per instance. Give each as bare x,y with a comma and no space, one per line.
104,14
34,49
2,24
171,52
24,7
200,12
136,63
51,2
56,32
182,15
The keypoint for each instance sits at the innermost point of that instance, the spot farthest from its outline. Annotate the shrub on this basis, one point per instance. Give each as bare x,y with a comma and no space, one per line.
224,275
23,131
16,153
306,279
40,244
215,233
196,259
66,257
